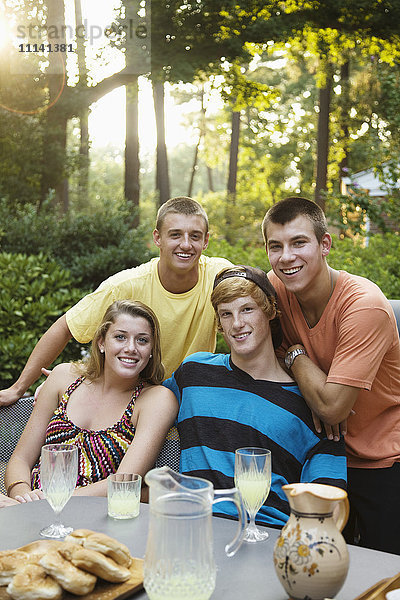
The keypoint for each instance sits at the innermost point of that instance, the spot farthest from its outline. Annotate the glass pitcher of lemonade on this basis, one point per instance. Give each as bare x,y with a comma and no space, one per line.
179,561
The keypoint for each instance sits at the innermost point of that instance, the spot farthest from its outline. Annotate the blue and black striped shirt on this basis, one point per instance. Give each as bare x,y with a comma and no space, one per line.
223,408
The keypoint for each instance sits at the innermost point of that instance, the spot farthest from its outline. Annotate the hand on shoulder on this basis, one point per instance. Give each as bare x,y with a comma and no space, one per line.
58,380
64,373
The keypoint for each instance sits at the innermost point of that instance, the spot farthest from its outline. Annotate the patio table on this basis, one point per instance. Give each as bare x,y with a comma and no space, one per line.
249,575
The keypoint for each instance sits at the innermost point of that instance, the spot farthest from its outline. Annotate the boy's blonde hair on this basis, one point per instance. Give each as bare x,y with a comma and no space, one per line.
182,205
241,281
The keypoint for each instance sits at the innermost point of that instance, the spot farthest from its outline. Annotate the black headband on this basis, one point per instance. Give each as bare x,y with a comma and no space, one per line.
257,276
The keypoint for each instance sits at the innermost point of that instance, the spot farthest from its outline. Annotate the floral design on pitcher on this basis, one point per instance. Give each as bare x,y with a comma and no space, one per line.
298,551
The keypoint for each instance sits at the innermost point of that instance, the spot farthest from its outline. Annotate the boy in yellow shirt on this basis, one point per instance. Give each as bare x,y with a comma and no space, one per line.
177,286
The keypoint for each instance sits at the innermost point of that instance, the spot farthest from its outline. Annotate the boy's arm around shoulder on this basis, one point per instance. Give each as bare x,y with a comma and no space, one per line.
332,402
365,334
326,463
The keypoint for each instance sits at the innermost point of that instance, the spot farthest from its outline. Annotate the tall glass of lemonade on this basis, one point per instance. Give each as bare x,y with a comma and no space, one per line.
253,480
58,476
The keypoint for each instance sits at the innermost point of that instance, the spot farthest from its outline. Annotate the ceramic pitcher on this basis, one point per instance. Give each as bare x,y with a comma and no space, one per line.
310,556
179,561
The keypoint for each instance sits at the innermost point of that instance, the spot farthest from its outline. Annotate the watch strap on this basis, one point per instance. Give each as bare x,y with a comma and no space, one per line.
291,356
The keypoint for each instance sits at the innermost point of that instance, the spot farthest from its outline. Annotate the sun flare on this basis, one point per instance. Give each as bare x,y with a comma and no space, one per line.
4,31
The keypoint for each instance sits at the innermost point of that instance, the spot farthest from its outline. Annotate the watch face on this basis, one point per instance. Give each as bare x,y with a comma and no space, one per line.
289,358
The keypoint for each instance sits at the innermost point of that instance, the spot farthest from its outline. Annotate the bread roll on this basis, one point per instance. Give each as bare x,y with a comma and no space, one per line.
32,583
10,562
70,578
94,562
102,543
40,547
78,535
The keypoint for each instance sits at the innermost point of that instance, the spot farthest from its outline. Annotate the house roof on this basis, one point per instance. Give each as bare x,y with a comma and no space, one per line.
369,181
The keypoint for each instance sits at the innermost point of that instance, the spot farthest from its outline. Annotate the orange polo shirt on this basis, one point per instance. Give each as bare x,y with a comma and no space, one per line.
356,343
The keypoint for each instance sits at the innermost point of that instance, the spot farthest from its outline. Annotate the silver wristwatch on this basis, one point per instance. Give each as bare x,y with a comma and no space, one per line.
290,356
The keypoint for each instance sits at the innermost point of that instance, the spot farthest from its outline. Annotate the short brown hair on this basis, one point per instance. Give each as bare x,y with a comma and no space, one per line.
182,205
231,288
290,208
93,366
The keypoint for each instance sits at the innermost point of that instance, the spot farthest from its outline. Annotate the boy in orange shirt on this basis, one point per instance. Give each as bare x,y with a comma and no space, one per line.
342,346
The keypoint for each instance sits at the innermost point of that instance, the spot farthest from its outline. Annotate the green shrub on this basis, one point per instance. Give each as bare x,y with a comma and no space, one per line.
377,261
221,345
34,292
92,247
240,253
98,246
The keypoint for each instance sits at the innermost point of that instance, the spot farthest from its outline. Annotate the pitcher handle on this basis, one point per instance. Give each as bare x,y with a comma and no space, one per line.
233,495
341,513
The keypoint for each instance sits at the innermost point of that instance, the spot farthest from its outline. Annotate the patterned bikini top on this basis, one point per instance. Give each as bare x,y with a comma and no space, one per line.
100,451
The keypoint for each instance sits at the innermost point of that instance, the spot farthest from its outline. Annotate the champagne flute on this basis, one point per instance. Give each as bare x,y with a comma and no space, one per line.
58,475
253,480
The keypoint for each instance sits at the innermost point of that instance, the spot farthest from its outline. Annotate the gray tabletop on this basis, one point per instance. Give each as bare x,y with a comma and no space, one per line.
249,575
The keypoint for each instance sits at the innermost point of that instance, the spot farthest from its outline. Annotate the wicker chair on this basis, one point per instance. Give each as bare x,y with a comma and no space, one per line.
396,307
13,419
171,451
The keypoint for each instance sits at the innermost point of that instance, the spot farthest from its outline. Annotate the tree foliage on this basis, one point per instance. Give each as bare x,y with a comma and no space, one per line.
279,105
377,261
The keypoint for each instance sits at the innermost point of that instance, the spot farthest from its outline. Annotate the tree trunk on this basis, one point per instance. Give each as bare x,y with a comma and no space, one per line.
53,176
202,132
65,195
232,174
132,164
233,154
344,81
162,177
84,161
194,166
323,142
83,185
210,179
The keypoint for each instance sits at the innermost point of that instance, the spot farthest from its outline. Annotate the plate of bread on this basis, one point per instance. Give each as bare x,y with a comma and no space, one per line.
86,563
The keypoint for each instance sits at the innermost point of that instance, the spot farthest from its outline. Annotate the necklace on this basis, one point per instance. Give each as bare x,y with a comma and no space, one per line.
330,294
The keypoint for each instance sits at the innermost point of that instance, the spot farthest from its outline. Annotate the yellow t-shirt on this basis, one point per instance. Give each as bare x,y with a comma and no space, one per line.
186,320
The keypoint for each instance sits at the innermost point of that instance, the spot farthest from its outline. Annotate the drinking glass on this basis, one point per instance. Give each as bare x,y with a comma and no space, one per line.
58,475
123,495
253,480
